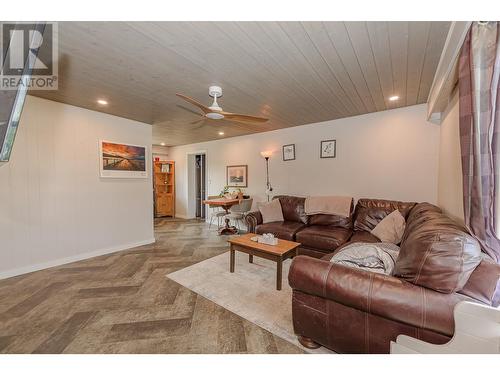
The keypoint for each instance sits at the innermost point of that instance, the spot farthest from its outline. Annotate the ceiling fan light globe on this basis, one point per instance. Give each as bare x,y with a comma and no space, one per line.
214,115
215,108
215,91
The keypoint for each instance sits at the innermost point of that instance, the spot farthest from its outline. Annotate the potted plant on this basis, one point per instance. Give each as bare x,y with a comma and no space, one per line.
234,194
224,192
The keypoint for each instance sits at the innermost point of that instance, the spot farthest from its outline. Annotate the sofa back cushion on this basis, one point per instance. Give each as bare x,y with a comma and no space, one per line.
436,252
333,220
419,214
370,212
293,208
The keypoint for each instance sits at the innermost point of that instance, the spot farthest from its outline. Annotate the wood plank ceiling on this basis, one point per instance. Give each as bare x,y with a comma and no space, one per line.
295,73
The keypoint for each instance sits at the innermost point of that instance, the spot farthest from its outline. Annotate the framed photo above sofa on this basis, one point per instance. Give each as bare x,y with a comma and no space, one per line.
289,152
328,149
237,175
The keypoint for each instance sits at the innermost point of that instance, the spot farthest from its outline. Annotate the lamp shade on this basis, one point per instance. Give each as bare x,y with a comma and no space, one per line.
266,154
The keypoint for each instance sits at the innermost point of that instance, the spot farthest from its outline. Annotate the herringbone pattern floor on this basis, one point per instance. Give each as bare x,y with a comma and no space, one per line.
123,303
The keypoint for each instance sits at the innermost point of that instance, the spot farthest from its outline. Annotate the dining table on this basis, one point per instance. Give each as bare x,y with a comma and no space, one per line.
225,204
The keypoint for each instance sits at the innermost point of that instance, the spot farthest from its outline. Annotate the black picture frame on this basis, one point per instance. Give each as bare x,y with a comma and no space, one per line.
283,152
324,154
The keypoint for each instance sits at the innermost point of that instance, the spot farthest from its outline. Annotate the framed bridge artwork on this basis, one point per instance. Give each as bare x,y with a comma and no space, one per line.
118,160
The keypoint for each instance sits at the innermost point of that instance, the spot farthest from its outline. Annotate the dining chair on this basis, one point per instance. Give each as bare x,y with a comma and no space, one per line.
238,212
216,212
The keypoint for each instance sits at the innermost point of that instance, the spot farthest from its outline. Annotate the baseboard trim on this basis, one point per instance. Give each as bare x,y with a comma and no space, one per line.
186,217
75,258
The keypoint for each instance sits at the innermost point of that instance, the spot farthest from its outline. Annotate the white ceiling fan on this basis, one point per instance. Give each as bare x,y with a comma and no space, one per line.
215,112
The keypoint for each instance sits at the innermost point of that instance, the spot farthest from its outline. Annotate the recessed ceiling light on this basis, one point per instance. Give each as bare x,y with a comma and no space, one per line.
393,98
162,144
221,133
102,102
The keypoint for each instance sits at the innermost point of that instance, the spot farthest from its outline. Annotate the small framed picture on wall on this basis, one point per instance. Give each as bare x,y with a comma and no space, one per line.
328,149
289,152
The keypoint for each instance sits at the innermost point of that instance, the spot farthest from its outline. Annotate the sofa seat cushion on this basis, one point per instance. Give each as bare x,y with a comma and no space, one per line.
326,238
363,236
285,230
312,252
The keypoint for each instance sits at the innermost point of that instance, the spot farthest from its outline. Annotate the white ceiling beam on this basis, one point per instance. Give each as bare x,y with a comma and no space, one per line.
446,72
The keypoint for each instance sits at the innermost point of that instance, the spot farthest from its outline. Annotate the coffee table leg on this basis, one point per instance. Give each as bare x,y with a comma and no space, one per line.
250,258
231,261
279,271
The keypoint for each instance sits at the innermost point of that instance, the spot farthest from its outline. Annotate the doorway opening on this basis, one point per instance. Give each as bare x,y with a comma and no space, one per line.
200,182
197,185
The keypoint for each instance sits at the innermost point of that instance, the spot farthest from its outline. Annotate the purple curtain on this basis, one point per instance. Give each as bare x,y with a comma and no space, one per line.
479,70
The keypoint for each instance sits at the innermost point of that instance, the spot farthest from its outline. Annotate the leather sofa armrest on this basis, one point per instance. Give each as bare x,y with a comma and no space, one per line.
382,295
253,219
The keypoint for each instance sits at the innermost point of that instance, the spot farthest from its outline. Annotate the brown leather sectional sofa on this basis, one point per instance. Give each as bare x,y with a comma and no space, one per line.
318,234
354,311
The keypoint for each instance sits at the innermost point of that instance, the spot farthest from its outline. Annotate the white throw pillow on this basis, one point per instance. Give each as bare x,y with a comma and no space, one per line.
271,211
391,228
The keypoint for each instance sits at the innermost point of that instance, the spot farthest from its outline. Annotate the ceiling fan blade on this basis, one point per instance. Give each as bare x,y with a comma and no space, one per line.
243,118
204,108
202,123
197,121
193,111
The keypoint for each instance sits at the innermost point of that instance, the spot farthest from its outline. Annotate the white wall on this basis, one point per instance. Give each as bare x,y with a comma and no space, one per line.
54,207
450,188
391,154
161,152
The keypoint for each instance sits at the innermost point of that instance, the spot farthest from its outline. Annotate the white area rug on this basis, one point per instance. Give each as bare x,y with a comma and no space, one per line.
249,292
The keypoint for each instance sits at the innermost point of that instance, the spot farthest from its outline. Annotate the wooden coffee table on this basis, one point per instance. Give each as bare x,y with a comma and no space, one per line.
277,253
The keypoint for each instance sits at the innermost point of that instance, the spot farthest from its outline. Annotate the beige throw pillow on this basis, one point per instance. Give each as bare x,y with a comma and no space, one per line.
271,211
391,228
